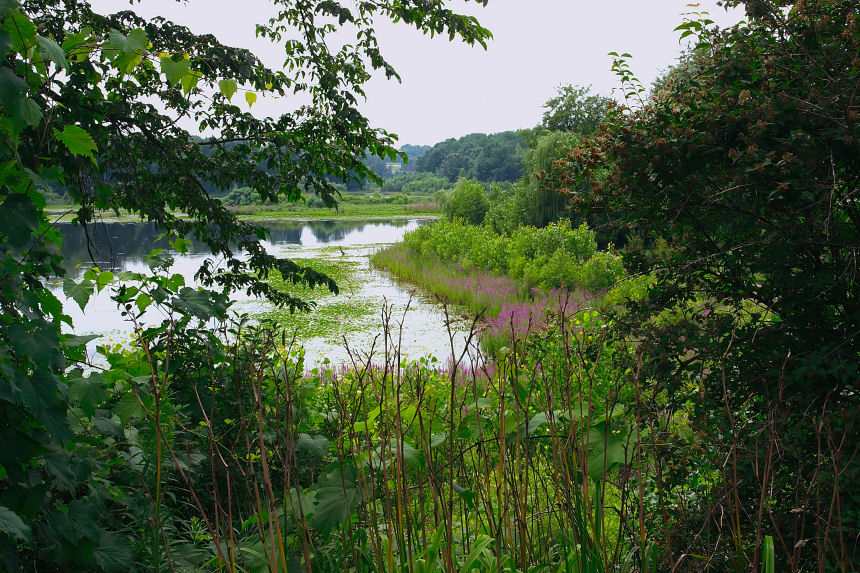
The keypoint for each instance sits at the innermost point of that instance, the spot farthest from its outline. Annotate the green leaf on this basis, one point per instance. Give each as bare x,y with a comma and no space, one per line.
133,44
41,345
314,446
7,7
142,302
128,50
466,495
768,560
537,421
250,97
50,50
103,279
107,426
129,276
12,524
228,88
21,31
12,87
337,496
129,407
475,556
89,392
50,304
411,456
77,141
72,41
8,171
175,70
198,303
114,552
73,341
20,219
606,449
180,245
76,346
79,292
29,111
189,81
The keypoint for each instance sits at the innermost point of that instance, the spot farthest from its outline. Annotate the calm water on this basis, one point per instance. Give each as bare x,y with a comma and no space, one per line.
124,246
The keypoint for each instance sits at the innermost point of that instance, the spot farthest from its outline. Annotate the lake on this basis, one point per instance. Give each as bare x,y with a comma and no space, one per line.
355,314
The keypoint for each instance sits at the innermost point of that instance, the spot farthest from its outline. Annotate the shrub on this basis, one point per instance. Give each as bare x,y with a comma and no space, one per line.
315,202
466,201
599,272
242,196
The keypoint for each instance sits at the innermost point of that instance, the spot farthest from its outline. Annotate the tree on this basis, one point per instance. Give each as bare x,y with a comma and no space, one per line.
493,157
91,104
740,177
466,201
574,110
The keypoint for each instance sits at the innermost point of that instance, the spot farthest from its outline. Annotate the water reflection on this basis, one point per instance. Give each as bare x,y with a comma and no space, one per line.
124,246
121,246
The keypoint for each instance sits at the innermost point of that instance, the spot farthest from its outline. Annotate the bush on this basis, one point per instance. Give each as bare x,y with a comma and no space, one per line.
399,199
416,183
600,272
466,201
315,202
547,257
556,256
242,196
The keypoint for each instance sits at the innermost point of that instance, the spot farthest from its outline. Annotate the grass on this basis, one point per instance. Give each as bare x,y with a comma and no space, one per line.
283,211
506,305
344,211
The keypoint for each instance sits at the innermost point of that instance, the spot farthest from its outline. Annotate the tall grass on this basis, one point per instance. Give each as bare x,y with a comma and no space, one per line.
558,456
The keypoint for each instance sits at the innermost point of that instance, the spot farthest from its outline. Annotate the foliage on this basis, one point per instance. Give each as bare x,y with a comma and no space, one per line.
417,182
478,156
743,169
78,95
531,200
466,201
574,110
242,196
552,257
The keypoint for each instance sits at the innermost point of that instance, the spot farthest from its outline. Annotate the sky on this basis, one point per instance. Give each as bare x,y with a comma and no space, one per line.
450,89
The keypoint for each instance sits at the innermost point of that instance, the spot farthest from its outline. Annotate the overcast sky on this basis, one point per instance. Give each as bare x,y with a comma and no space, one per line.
451,89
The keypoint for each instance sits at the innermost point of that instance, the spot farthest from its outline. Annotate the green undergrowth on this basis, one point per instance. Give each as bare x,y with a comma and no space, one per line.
515,282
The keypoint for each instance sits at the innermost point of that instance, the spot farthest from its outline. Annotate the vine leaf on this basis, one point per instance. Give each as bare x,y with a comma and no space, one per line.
337,496
20,219
79,292
13,525
128,49
50,50
7,7
314,446
89,392
77,141
189,81
29,111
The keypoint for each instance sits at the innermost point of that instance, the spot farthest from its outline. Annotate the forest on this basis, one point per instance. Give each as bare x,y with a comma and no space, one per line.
650,307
